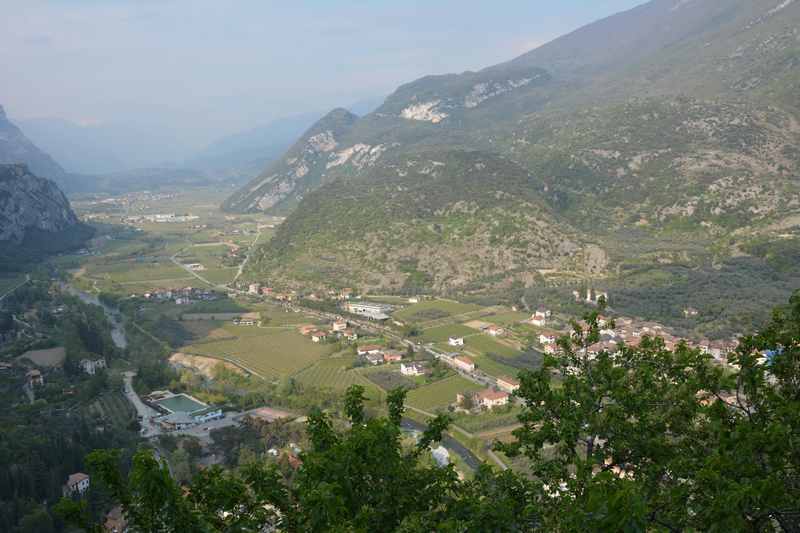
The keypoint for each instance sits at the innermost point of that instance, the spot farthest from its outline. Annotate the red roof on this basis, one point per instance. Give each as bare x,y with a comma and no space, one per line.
490,394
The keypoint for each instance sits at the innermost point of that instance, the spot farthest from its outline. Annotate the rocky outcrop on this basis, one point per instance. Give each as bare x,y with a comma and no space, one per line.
31,206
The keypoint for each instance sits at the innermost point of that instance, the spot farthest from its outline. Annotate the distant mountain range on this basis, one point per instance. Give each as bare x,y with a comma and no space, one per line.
609,148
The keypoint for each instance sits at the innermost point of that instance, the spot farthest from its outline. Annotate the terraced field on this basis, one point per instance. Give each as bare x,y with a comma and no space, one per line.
272,353
331,373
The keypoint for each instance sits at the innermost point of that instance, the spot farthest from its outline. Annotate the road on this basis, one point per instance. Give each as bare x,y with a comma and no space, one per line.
470,459
15,287
150,428
247,256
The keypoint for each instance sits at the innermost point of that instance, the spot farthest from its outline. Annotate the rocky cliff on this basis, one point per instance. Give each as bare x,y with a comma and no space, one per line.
34,213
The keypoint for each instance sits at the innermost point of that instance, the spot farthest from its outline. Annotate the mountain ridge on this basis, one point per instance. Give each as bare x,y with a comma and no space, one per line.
671,119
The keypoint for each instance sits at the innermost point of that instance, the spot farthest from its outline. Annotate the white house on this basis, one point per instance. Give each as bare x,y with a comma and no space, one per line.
538,321
464,363
339,325
92,366
495,331
491,398
507,384
548,337
456,341
412,369
77,483
254,288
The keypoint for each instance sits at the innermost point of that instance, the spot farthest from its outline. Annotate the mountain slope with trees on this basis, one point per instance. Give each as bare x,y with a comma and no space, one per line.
670,123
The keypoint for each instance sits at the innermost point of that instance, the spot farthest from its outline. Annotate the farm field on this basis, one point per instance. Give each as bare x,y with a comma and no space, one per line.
272,353
488,420
50,357
442,333
113,407
432,310
483,344
440,394
507,319
493,368
330,373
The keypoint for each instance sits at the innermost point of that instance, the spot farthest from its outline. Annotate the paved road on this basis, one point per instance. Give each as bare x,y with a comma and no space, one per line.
470,459
146,413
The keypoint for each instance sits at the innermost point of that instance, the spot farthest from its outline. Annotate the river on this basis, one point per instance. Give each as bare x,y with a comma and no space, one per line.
113,315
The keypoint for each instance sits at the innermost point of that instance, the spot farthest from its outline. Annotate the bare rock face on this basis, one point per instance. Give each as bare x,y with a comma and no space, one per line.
29,203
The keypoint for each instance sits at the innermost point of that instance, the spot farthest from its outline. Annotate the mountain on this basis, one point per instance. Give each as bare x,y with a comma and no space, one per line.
15,147
35,217
301,169
245,154
663,135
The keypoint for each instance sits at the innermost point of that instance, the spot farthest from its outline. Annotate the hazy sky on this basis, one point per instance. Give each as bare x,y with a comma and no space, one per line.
206,68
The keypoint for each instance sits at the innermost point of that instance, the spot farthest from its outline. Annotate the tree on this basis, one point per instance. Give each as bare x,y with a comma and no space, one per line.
651,439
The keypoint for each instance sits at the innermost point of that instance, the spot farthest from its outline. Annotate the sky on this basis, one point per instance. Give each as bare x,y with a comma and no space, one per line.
202,69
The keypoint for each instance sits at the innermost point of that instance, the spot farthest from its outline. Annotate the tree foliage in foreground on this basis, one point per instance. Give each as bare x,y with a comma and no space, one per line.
645,439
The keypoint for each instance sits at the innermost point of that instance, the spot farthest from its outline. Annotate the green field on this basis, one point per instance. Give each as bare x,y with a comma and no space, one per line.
132,272
440,394
425,311
272,353
442,333
493,368
113,407
506,319
330,373
484,344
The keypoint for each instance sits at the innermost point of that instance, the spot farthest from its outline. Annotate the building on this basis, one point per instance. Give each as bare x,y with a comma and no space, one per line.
339,325
374,359
490,398
77,484
538,321
92,366
495,331
412,369
464,363
441,456
319,336
370,349
551,348
456,341
254,288
548,337
543,312
372,311
349,334
507,384
244,322
690,312
392,357
34,378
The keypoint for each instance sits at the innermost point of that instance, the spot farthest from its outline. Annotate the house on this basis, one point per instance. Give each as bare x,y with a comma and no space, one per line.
543,312
349,334
34,378
495,331
266,291
490,398
507,384
464,363
412,369
413,300
551,348
374,359
244,322
319,336
690,312
456,341
548,337
254,288
370,349
77,483
339,325
92,366
307,329
392,357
